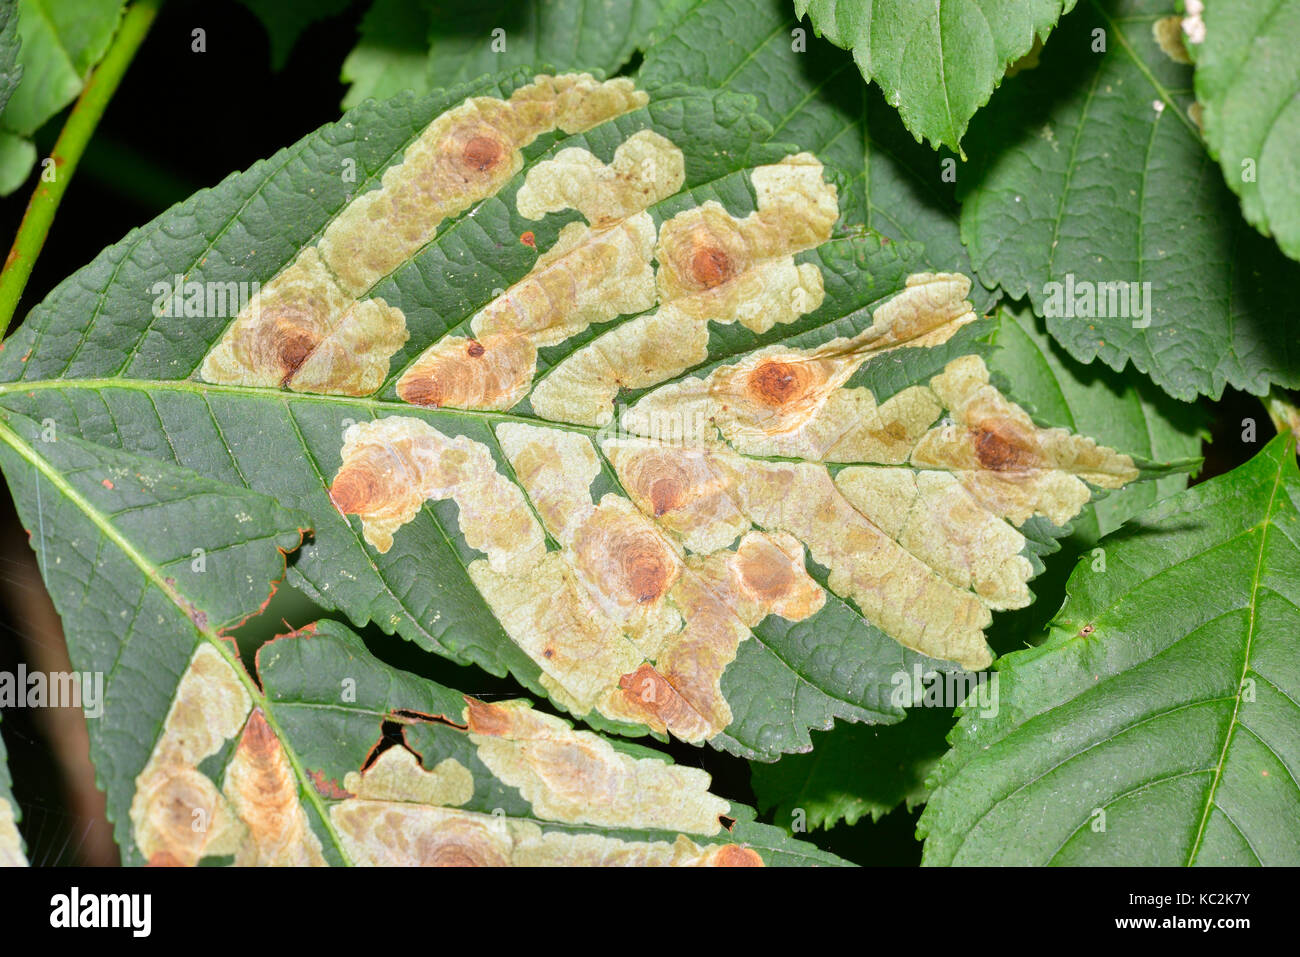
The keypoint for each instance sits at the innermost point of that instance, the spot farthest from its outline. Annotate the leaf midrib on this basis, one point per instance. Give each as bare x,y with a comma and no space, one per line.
1265,523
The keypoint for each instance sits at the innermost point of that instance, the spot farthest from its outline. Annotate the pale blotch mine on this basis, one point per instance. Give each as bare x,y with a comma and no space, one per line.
712,267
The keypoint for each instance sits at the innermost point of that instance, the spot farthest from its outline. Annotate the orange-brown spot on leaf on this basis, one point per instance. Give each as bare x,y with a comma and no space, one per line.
356,487
653,697
777,383
624,557
1000,448
528,239
492,372
482,153
484,718
765,572
293,344
733,855
106,483
327,787
711,266
262,789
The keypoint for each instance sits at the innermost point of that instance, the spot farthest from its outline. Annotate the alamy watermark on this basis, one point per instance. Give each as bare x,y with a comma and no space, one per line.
56,689
1085,299
934,689
178,299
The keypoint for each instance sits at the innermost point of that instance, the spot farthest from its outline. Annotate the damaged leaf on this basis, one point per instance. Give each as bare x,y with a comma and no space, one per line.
204,762
148,563
483,785
586,385
1121,411
1157,724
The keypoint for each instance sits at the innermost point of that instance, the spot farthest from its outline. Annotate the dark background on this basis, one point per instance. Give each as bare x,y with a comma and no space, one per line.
182,121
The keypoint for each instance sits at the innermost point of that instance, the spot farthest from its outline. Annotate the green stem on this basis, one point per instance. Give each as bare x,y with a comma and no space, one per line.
76,133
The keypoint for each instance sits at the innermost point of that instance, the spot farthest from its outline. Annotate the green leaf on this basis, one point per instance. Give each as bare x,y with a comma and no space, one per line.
17,157
936,63
285,20
11,842
1248,85
56,47
432,44
1158,723
11,70
145,562
391,53
626,599
854,771
813,98
1123,412
61,43
1089,170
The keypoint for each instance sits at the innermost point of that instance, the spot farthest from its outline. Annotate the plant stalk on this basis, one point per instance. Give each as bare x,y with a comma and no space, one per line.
71,144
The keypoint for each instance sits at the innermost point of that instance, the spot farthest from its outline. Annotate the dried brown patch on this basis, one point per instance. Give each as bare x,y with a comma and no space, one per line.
262,790
488,373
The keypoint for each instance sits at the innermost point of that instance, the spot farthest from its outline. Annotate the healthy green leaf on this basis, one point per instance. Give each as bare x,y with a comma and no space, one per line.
1123,412
60,45
1088,176
855,770
1158,723
1248,85
11,842
391,54
628,417
936,63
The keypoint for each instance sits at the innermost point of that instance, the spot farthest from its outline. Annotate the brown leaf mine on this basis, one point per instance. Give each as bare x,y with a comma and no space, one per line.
646,169
392,466
593,273
388,834
302,331
465,155
1011,466
619,619
262,791
578,777
396,775
309,329
713,267
178,815
493,372
399,814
